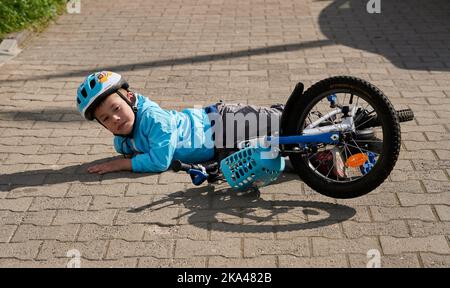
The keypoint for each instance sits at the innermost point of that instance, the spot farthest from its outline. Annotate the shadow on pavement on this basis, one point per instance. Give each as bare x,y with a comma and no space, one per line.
205,203
34,178
249,213
183,61
411,34
47,114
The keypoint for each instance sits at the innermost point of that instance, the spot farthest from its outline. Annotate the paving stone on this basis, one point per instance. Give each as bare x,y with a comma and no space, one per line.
443,212
432,186
105,217
378,199
326,247
119,249
164,217
105,202
51,263
150,262
186,248
396,228
435,244
93,250
423,228
421,212
335,261
296,246
224,262
16,205
54,191
112,190
10,218
199,231
437,175
90,232
39,218
116,178
431,260
151,189
30,159
25,251
171,177
120,263
405,260
6,232
231,230
47,203
26,233
422,154
411,186
407,199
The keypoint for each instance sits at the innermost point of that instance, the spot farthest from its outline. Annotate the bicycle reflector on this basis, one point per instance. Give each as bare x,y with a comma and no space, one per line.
356,160
251,167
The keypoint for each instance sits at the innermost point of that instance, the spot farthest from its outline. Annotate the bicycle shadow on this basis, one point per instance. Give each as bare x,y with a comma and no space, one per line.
411,34
248,213
205,204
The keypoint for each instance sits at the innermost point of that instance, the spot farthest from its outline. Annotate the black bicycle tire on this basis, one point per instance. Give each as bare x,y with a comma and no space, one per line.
391,134
404,115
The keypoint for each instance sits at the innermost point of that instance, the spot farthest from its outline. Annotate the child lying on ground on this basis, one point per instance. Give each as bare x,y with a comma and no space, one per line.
151,137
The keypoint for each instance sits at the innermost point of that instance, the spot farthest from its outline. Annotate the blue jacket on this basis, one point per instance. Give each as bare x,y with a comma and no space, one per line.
161,136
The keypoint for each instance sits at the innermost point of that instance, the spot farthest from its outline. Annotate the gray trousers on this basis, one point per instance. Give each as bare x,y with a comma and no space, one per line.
234,123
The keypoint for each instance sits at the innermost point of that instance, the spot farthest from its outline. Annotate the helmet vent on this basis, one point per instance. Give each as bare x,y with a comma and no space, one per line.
83,92
92,83
78,100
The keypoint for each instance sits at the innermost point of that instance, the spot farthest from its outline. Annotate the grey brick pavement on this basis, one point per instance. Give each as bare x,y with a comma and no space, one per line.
186,53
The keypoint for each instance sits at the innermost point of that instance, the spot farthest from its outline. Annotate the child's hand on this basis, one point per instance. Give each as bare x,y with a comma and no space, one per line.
111,166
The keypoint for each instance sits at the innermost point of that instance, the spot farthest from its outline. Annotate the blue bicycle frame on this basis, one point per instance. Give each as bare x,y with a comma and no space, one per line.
325,138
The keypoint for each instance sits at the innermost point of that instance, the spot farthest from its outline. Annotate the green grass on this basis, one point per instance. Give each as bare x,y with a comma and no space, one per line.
16,15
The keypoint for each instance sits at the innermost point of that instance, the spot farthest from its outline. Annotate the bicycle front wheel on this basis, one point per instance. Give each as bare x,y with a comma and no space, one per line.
365,154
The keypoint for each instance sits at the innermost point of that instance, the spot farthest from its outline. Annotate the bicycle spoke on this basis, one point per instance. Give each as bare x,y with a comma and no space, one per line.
361,149
370,141
315,168
309,118
329,171
356,128
361,115
345,146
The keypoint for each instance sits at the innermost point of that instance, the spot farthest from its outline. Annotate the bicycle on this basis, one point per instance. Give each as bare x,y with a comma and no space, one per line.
342,136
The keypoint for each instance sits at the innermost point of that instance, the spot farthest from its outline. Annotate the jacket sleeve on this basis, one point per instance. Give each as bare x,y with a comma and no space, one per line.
161,131
121,146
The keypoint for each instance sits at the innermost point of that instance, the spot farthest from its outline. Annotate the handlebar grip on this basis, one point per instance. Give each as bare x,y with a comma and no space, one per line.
177,165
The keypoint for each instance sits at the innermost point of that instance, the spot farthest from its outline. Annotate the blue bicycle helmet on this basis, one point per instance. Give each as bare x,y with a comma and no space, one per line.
95,88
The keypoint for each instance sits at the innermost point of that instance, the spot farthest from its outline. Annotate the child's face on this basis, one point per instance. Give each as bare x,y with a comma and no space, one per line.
115,114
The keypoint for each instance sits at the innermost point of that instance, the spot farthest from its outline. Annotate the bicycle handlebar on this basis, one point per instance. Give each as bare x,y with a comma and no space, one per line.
177,165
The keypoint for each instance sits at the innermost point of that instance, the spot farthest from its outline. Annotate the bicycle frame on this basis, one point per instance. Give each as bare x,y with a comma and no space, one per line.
313,134
325,138
329,134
